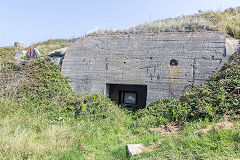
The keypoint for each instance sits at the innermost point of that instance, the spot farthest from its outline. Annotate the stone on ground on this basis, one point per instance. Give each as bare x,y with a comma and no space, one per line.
57,56
232,46
134,149
33,53
62,50
18,56
57,60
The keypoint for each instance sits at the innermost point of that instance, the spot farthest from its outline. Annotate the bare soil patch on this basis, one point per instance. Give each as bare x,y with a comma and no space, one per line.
167,129
224,123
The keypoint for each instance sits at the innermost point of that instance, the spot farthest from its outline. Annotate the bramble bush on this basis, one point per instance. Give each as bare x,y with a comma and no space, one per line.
45,86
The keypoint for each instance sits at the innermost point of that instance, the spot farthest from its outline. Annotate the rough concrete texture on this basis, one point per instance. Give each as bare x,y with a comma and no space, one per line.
144,59
134,149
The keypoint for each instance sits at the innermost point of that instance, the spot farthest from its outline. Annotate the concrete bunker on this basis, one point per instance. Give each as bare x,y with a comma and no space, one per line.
130,67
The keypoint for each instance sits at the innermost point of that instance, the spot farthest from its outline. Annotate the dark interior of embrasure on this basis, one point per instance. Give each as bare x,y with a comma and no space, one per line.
133,96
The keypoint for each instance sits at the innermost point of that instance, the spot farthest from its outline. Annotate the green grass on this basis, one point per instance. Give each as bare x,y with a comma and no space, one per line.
37,133
7,53
216,144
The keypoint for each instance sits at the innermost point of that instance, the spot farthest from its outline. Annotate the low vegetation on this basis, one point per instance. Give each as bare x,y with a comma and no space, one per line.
42,118
7,54
50,45
227,21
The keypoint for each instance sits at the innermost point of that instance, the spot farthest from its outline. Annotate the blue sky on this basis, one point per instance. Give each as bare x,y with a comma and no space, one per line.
32,21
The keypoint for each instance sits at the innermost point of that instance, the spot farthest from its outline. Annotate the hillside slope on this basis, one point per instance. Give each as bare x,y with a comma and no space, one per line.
42,118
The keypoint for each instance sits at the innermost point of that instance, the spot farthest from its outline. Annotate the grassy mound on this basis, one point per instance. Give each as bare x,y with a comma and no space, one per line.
227,21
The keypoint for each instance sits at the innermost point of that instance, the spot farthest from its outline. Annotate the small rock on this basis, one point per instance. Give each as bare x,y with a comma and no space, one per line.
134,149
61,50
20,45
232,46
57,60
33,53
57,56
18,56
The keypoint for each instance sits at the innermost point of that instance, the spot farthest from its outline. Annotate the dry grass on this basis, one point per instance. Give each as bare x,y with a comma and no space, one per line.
185,23
50,45
23,142
7,53
227,21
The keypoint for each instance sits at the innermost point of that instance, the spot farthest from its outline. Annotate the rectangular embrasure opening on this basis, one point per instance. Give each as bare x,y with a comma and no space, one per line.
128,95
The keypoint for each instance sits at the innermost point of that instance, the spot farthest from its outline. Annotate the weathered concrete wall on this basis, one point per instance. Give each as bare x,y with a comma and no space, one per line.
144,59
